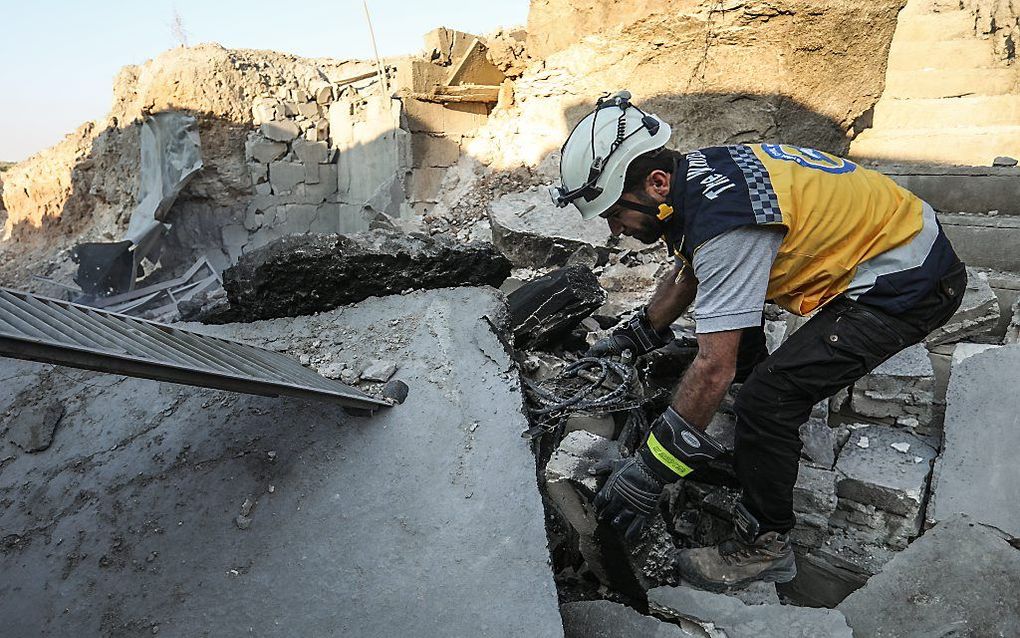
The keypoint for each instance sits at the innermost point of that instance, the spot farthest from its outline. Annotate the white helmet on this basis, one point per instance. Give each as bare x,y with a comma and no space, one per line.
595,157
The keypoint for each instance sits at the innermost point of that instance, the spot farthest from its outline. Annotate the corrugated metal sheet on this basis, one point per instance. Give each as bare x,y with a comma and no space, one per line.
52,331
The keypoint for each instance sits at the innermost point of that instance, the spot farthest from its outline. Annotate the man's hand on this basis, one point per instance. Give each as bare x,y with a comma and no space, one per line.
637,335
629,497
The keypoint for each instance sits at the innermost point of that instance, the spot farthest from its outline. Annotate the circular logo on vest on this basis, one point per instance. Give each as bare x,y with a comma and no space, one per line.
690,439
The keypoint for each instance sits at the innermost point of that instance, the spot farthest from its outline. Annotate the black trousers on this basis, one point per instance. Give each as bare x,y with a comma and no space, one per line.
844,341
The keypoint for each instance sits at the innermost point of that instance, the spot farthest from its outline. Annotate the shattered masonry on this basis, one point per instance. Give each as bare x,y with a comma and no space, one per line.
362,234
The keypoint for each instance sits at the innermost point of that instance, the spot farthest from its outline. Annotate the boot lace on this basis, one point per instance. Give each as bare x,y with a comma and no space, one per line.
733,551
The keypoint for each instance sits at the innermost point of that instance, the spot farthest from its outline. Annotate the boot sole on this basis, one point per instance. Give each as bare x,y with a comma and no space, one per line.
776,575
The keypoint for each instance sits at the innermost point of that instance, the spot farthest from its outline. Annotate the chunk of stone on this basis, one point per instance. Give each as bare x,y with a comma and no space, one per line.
282,131
1004,160
309,110
311,273
814,495
977,473
902,388
264,151
818,439
532,232
380,371
739,620
571,489
881,488
32,427
606,619
957,579
547,308
311,152
977,317
284,176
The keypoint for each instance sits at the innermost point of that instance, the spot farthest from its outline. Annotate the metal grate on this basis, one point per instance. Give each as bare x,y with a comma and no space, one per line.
63,333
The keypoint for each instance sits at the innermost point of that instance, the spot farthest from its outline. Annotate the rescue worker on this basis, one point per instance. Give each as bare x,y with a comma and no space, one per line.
809,231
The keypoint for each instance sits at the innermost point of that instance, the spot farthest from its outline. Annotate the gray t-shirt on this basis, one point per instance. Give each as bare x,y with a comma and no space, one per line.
733,277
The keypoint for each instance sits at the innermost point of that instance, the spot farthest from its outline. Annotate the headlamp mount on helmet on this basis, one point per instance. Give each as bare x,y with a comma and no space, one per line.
590,189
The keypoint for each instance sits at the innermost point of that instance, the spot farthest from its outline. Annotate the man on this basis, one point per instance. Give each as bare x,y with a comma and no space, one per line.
804,229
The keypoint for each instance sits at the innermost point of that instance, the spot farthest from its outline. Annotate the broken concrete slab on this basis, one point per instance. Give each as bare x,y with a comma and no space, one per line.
284,176
884,474
545,309
977,473
977,317
606,619
901,389
532,232
739,620
353,520
311,273
958,579
32,427
875,472
571,489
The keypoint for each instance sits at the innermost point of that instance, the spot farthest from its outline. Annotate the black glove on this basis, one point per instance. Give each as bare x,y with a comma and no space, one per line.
637,335
673,450
629,496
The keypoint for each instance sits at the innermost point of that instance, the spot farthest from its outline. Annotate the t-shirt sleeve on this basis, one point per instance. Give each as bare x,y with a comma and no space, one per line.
733,277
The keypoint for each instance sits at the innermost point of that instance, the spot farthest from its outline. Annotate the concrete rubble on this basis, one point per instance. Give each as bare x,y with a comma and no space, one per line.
605,619
957,579
900,390
975,474
739,620
529,229
354,212
343,519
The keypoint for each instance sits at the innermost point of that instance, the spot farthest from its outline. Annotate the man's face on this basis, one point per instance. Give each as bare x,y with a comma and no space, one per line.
641,226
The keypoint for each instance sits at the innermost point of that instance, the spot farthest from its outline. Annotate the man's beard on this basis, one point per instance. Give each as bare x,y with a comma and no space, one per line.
651,227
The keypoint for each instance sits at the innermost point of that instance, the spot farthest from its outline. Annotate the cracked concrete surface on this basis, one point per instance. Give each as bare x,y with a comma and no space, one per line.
192,512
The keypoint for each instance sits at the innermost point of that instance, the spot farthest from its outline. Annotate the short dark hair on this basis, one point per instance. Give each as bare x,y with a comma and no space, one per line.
661,159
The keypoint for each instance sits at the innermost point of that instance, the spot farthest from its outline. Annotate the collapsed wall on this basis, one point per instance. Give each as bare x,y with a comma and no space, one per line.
290,146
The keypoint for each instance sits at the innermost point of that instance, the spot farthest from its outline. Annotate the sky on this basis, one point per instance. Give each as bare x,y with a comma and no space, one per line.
58,58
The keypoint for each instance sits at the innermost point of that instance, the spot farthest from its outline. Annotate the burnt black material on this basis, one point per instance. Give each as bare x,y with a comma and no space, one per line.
304,274
546,309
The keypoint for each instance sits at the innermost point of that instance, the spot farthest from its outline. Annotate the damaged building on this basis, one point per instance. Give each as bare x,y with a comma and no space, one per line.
296,346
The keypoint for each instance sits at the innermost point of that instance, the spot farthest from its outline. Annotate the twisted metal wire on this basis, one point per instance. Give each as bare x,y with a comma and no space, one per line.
551,405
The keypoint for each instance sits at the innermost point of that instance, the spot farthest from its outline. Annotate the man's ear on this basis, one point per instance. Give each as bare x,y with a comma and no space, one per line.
658,181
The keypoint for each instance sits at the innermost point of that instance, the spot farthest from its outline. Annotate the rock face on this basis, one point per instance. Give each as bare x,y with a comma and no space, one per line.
957,579
545,309
755,81
207,511
312,273
533,233
976,473
740,620
951,86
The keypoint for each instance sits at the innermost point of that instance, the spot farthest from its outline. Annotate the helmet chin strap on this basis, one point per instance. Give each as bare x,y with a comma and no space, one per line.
641,208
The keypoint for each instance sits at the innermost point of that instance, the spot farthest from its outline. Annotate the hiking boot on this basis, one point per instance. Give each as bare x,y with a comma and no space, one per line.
735,564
